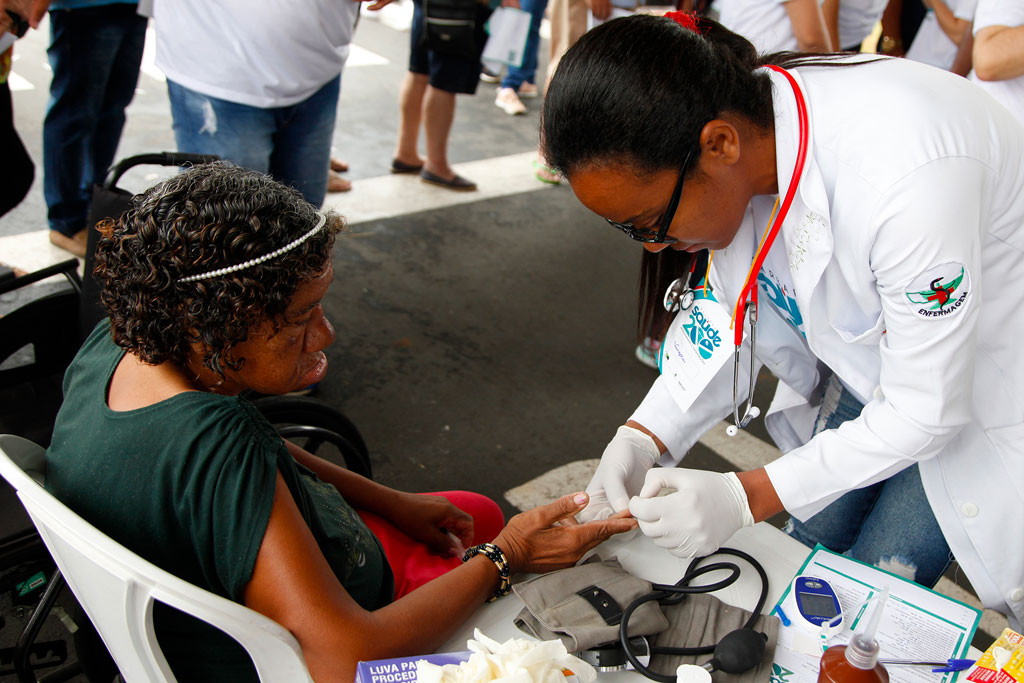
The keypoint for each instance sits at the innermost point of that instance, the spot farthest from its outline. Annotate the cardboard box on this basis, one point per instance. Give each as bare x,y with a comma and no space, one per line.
403,669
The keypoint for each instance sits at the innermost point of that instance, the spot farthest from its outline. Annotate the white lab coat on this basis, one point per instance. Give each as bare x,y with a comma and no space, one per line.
934,176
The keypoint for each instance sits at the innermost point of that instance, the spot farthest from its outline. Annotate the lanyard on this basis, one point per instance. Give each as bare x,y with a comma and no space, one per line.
748,294
747,300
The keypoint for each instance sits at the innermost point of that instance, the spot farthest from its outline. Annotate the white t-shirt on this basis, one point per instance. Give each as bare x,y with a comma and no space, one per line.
1002,13
931,45
765,23
857,18
260,53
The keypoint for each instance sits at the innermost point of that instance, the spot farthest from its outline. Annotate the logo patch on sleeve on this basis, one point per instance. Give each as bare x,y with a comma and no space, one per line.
940,291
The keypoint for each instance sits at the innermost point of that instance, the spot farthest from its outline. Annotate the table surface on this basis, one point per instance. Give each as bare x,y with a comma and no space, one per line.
780,555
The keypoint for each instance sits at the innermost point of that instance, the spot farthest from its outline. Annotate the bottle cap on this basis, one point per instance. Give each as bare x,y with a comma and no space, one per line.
691,673
862,651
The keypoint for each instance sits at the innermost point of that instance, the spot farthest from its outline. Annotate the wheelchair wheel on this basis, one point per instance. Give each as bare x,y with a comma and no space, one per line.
319,429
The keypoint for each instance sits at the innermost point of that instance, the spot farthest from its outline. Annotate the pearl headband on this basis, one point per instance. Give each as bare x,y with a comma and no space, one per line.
260,259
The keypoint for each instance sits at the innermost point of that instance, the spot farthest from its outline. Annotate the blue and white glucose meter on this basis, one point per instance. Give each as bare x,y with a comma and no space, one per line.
817,605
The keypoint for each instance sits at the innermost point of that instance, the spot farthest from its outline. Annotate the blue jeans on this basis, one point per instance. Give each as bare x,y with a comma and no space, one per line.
292,144
527,71
889,524
94,54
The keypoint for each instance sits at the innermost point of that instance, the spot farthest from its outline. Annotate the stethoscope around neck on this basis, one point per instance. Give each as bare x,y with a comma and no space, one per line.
680,296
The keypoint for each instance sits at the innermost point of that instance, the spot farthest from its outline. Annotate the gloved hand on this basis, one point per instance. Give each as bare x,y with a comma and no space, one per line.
620,475
706,509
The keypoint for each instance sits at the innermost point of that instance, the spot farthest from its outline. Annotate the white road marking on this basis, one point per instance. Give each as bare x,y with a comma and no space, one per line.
360,56
18,83
401,194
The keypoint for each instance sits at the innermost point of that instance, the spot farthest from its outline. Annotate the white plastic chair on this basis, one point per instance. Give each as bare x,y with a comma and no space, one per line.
117,588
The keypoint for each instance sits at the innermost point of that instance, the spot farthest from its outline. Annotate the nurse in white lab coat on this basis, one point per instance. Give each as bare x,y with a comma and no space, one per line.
895,286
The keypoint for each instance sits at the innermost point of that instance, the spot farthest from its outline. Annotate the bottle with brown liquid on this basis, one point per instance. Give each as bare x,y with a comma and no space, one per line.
858,661
853,663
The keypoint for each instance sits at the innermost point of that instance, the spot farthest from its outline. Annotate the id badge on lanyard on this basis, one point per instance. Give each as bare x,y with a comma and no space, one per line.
697,344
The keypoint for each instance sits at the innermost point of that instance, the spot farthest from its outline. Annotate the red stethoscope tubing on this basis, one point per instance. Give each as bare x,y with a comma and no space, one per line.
749,292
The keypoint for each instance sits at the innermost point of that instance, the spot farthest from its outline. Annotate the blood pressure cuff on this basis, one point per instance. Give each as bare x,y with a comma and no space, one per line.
582,606
703,619
570,605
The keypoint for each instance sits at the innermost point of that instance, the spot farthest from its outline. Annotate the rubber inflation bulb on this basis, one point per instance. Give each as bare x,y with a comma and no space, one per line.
732,430
739,651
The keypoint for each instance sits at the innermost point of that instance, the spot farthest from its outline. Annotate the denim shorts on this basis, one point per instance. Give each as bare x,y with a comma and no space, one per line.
889,524
449,73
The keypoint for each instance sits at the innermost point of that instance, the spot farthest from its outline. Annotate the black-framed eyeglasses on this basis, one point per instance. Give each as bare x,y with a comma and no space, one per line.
661,236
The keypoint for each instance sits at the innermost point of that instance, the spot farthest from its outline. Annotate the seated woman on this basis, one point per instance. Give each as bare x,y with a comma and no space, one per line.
214,282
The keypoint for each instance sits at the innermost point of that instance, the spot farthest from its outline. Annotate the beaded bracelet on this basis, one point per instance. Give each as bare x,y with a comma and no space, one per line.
495,555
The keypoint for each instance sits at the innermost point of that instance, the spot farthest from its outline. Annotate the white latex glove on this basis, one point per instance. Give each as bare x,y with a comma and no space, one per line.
706,509
620,475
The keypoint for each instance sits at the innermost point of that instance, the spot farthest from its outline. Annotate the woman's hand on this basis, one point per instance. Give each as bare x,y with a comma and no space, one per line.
31,11
548,537
433,520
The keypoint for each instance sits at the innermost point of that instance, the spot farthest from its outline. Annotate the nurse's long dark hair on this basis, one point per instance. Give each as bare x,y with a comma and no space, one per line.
637,91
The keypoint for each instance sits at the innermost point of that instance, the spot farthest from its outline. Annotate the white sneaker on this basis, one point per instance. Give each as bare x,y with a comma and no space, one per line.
527,91
508,100
647,352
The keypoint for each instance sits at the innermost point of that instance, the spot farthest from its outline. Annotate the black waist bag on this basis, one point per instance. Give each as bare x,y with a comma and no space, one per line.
449,27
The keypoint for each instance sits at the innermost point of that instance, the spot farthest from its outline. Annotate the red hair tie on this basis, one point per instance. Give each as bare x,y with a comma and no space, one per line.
687,20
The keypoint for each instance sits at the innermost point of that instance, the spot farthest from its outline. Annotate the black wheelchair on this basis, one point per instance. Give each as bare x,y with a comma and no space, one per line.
38,340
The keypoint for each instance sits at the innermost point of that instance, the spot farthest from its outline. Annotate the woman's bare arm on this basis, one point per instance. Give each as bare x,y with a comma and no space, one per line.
808,25
293,585
999,53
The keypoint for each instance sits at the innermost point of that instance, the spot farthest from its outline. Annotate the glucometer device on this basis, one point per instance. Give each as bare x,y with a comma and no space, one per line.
817,606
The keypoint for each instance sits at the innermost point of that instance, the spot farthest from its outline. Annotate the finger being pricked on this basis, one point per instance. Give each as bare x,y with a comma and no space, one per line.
564,511
603,529
538,543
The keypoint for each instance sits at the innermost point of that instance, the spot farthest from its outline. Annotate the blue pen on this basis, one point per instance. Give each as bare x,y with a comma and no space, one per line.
782,615
948,666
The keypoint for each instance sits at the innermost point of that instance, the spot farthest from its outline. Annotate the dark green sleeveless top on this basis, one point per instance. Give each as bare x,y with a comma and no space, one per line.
188,484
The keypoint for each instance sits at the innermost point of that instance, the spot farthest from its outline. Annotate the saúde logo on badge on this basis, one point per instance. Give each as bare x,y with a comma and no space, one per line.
702,335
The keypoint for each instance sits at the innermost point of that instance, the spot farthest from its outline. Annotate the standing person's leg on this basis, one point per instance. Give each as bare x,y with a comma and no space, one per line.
84,46
522,77
301,154
528,88
410,98
438,116
237,133
568,23
18,168
410,112
124,77
449,75
527,71
558,17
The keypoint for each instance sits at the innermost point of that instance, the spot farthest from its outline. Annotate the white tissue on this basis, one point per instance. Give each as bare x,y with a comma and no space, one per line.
517,660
